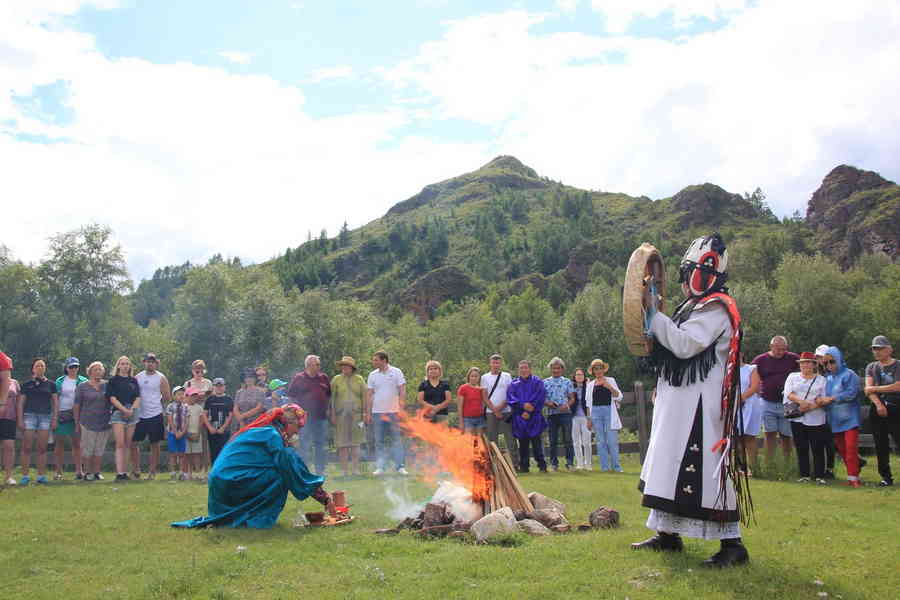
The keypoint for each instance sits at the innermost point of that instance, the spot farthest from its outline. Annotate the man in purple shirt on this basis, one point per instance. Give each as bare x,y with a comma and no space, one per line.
526,397
773,367
311,389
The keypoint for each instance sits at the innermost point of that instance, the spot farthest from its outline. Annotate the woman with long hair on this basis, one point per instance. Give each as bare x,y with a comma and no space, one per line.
603,399
581,424
124,394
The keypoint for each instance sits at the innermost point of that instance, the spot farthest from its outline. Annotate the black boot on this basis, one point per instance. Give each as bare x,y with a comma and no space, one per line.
732,553
666,542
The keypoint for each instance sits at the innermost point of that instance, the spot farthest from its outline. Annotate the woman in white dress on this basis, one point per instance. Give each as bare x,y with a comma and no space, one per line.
751,411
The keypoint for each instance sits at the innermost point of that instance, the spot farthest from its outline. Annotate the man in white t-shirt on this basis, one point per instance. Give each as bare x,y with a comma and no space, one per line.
155,392
386,389
496,383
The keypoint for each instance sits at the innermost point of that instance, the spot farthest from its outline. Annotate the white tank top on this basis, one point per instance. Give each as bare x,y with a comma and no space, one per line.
67,393
151,394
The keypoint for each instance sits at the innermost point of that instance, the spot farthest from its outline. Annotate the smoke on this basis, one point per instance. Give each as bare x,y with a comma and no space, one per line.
402,504
459,499
454,495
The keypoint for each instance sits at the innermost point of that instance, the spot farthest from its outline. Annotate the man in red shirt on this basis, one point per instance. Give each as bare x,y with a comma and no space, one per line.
773,367
311,389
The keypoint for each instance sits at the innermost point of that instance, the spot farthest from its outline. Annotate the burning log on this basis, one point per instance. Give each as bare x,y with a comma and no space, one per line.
506,489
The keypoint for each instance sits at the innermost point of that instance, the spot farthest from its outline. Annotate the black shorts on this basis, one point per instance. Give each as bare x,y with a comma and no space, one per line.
7,429
151,429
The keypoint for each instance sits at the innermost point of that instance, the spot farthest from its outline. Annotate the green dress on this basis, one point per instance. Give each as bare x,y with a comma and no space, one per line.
348,397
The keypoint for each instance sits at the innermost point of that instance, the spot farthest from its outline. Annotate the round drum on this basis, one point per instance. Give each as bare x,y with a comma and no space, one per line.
644,267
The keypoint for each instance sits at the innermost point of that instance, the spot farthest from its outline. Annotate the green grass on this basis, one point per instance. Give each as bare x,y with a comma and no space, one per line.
92,540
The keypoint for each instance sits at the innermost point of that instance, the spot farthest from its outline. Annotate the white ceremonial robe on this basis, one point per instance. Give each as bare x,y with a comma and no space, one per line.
679,475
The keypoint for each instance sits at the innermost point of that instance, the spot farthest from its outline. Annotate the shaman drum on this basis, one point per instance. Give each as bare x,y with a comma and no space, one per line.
645,273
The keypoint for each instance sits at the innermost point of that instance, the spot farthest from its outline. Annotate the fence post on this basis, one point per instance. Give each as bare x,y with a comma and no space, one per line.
643,426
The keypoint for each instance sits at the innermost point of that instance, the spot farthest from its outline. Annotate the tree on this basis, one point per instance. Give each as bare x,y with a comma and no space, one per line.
344,236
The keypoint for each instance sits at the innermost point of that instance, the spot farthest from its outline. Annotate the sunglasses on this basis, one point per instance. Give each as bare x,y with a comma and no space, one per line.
831,362
73,366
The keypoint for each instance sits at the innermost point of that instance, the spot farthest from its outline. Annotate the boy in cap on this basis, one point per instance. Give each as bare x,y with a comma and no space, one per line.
217,417
176,432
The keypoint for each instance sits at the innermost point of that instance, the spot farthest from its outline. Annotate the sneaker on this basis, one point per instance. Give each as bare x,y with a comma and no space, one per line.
378,472
803,480
42,479
821,481
886,483
11,482
579,468
79,476
135,476
829,474
555,468
174,476
98,477
121,476
182,476
402,471
569,467
25,480
58,477
89,477
151,476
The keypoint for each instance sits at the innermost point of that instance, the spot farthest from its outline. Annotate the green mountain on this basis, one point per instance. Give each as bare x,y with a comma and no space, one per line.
505,224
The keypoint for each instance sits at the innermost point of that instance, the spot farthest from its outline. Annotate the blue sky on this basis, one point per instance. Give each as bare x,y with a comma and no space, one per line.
175,121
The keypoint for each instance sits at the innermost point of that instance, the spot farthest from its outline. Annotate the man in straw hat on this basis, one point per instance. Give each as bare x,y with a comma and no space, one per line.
690,476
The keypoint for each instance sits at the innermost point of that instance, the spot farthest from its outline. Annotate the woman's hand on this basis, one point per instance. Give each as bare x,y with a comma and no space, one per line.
881,409
526,415
529,406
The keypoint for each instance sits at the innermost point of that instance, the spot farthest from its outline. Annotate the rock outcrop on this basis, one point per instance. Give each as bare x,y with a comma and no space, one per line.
855,212
434,288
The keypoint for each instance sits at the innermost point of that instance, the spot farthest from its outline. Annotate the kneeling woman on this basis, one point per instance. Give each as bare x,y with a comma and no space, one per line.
250,480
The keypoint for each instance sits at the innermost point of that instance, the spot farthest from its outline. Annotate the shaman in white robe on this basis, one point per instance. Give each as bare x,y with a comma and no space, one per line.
679,477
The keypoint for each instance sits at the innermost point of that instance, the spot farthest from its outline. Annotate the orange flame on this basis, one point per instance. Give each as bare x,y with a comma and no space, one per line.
463,455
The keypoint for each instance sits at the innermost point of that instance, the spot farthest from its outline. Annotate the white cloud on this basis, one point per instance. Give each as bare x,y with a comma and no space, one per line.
775,99
238,58
329,73
619,14
184,161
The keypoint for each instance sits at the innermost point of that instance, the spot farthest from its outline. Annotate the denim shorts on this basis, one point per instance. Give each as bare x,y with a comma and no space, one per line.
474,422
35,421
119,418
773,419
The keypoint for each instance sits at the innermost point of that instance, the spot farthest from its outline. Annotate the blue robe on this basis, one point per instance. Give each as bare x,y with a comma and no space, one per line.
250,480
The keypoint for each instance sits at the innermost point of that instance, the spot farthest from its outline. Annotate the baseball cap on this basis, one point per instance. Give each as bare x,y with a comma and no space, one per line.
822,350
880,341
219,381
150,356
72,362
192,391
177,389
276,383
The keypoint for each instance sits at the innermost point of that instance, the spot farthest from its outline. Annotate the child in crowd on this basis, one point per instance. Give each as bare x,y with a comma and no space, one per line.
194,452
472,400
176,428
217,418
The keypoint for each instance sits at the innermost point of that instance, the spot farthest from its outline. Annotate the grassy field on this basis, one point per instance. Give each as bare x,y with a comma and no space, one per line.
92,540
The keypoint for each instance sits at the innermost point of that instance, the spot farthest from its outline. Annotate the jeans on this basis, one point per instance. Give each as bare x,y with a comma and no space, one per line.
581,439
607,439
884,428
561,423
386,426
815,438
537,447
314,440
497,426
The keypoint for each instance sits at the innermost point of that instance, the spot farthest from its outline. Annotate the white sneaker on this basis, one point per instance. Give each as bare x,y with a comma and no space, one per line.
378,473
803,480
402,471
11,481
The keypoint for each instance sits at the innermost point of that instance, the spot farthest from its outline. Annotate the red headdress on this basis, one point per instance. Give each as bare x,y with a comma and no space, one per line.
277,417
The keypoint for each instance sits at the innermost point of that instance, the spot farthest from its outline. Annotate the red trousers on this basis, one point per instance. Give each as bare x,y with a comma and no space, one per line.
846,443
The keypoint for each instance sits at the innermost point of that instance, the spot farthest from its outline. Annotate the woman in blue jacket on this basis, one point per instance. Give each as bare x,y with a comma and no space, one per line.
843,411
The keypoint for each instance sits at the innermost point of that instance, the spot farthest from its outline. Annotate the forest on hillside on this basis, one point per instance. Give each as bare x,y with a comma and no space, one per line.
80,301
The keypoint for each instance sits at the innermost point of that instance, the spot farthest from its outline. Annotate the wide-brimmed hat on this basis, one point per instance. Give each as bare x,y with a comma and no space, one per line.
807,357
822,350
598,363
275,384
347,360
